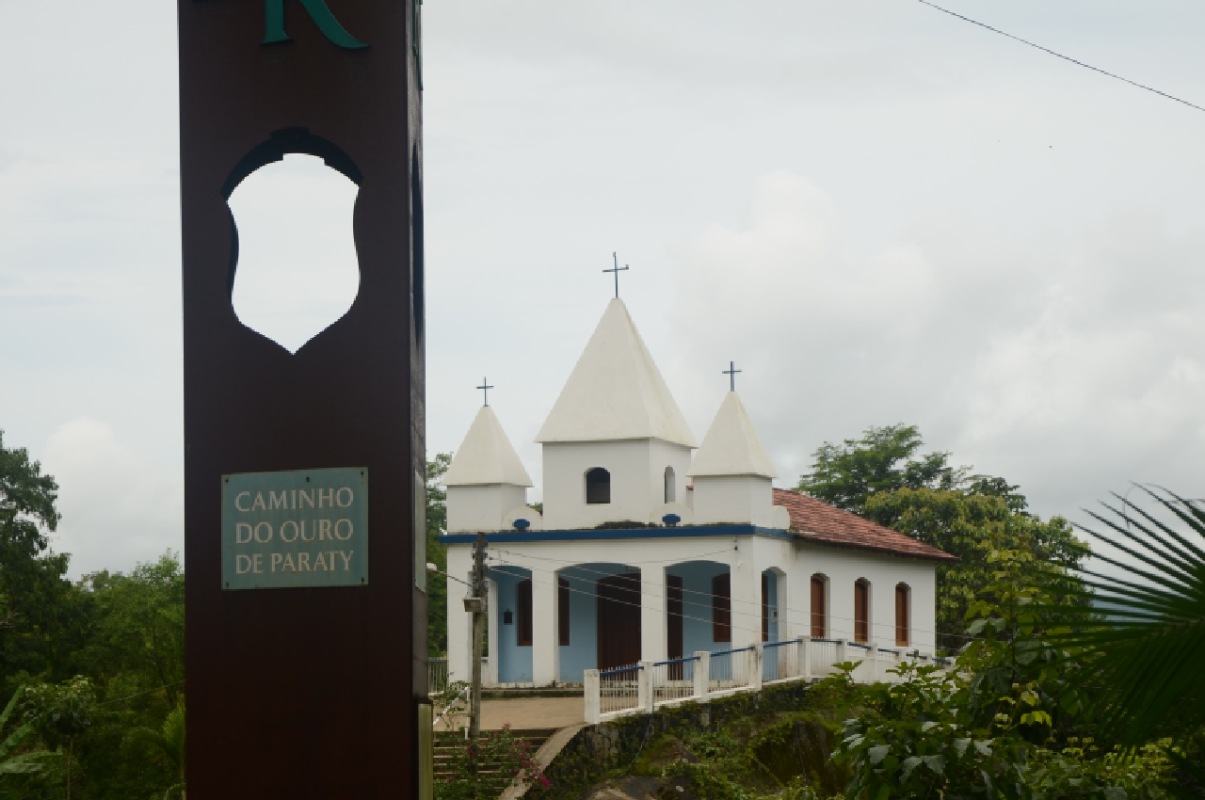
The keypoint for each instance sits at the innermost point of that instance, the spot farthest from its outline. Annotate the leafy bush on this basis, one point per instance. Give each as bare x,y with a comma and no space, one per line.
482,769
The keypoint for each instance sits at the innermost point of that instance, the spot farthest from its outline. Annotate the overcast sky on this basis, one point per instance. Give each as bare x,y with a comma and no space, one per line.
881,213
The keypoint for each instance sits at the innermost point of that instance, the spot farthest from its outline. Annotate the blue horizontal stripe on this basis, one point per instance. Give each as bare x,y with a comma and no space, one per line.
611,534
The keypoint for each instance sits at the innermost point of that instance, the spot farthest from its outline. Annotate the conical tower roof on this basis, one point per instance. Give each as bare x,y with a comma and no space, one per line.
731,446
616,391
486,456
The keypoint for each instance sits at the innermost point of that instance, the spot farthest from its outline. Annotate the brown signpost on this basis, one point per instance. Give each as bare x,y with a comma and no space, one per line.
304,536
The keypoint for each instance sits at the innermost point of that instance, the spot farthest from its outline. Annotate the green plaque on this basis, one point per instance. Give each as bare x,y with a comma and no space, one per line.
300,528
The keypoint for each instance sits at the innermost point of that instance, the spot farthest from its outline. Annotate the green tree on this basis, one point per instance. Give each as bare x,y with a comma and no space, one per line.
1009,720
883,460
17,755
61,713
164,748
33,589
135,656
961,522
437,583
883,477
137,641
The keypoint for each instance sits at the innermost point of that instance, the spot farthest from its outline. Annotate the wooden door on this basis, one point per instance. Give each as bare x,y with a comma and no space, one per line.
619,620
819,608
901,615
861,611
673,623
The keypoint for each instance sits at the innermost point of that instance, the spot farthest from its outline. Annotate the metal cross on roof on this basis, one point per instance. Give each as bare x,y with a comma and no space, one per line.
485,387
616,269
731,373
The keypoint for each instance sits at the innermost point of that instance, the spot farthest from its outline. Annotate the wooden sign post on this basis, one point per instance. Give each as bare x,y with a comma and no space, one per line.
304,472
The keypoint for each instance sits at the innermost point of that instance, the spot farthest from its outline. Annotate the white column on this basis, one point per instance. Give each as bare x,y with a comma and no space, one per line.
490,676
545,650
652,614
459,651
746,599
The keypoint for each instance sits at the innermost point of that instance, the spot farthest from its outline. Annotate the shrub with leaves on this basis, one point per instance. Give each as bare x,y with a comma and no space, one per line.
483,768
18,756
1007,720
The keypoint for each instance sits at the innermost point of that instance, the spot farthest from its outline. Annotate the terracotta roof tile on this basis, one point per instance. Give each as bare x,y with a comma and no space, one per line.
813,520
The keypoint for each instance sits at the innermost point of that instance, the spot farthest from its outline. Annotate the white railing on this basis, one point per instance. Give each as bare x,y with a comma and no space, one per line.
437,675
731,670
621,690
640,688
674,679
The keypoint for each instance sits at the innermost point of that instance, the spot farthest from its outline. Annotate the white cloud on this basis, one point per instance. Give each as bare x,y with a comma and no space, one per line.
1064,368
117,509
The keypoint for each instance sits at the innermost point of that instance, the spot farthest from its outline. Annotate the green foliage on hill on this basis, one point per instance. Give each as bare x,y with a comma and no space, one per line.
883,477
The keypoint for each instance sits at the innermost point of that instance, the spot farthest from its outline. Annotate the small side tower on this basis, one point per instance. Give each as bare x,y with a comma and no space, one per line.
486,482
732,473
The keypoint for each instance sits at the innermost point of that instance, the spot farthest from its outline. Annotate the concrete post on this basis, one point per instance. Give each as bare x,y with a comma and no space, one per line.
757,658
702,674
805,657
645,698
593,697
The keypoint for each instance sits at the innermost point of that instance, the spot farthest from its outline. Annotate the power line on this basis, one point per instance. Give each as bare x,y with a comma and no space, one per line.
733,612
1056,54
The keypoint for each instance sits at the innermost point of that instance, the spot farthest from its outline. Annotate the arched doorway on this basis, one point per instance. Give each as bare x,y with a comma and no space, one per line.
618,620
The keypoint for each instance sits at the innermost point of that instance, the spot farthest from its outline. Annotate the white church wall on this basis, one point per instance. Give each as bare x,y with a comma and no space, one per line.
460,565
636,469
737,499
843,567
482,508
697,559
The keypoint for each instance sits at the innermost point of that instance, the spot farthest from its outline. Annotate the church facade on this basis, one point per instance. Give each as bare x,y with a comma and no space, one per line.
650,546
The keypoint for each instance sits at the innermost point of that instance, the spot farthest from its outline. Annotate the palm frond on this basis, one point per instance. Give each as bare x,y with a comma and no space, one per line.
1144,639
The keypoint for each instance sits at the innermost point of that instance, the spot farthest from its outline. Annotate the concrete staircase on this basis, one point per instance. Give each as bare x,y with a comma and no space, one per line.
493,781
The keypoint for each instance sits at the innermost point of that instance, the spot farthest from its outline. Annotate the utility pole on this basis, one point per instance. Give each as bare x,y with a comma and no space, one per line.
476,606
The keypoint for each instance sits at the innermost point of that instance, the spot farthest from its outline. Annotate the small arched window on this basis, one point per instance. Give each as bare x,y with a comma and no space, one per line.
819,606
903,597
862,610
671,487
598,486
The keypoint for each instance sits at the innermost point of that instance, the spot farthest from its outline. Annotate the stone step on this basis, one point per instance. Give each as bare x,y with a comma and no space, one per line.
447,744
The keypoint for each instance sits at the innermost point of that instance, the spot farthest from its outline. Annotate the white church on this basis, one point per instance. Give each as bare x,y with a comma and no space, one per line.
651,546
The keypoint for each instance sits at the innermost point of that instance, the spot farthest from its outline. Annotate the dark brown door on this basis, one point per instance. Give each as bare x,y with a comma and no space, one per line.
673,623
901,615
765,607
619,620
819,612
861,611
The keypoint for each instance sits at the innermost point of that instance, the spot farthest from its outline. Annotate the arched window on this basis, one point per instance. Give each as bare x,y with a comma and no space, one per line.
819,606
598,486
671,488
903,598
862,610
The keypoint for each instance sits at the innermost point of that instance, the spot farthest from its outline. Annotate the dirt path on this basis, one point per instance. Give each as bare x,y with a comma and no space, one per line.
523,713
